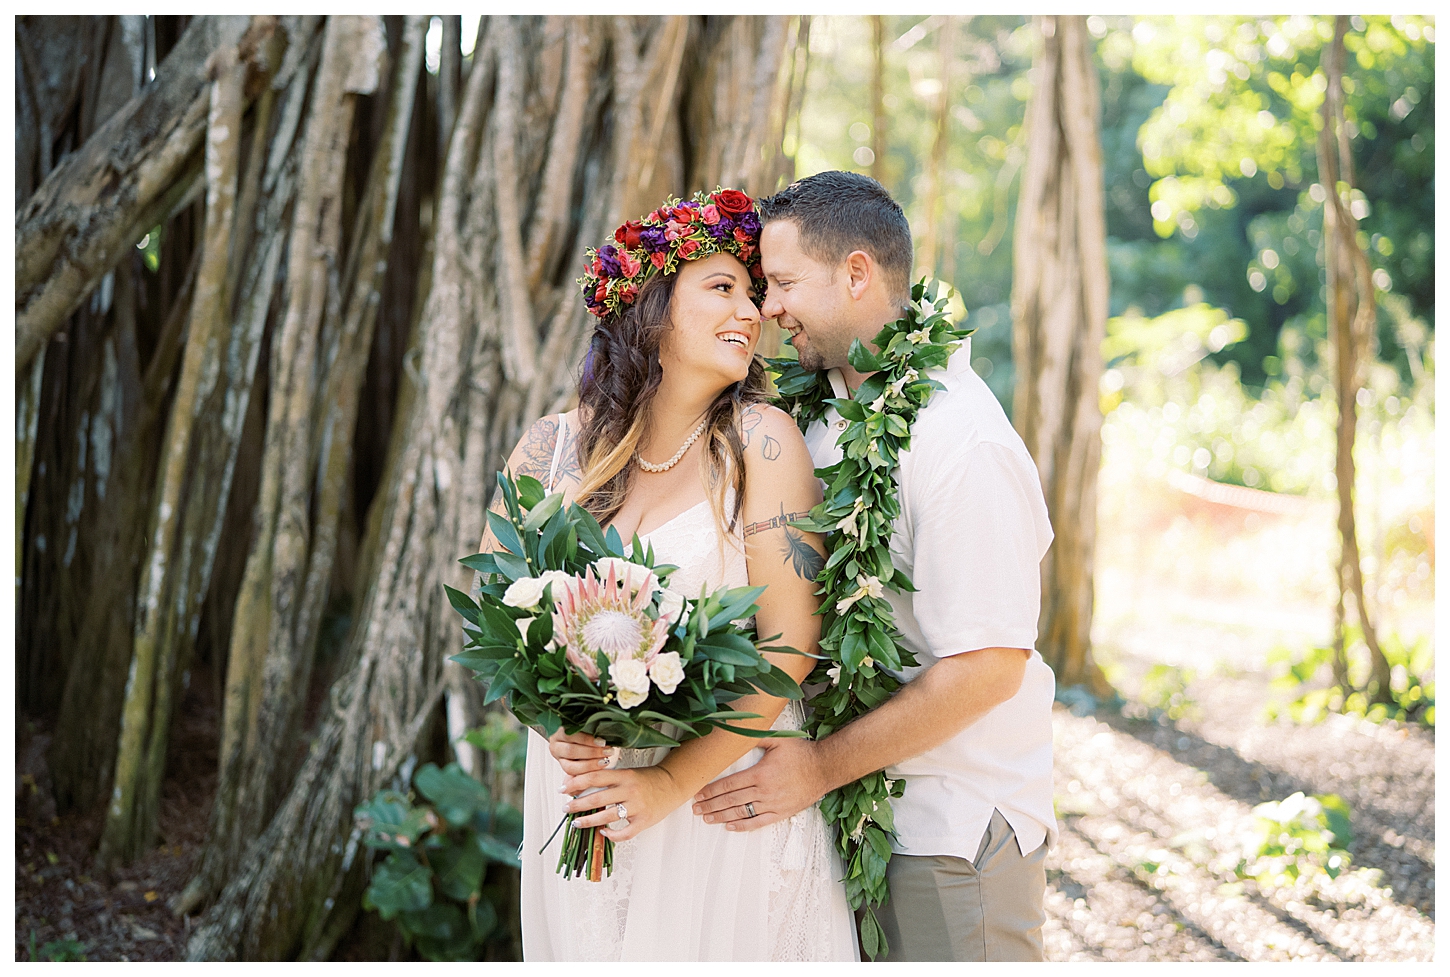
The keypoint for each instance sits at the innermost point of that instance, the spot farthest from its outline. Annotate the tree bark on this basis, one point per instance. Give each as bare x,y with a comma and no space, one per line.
878,99
120,184
1059,308
1351,312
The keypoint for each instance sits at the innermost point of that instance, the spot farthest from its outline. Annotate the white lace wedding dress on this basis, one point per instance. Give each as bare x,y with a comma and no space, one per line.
683,889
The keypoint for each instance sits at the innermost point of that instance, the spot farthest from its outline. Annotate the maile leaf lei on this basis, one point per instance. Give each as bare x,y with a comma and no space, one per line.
859,635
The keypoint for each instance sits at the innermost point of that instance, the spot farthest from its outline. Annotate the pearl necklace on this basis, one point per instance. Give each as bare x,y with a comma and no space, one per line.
678,454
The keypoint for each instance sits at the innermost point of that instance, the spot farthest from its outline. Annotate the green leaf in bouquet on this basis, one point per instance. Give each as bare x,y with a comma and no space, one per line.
762,734
463,604
482,562
457,868
777,683
541,630
553,540
530,491
588,528
484,661
736,602
497,623
631,735
729,649
543,511
550,722
502,681
454,793
506,533
613,545
513,567
400,884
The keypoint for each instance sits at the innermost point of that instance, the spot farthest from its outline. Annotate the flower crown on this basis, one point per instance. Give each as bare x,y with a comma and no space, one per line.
723,222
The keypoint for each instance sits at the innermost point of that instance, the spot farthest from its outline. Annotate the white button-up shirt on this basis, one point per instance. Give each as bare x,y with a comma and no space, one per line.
972,532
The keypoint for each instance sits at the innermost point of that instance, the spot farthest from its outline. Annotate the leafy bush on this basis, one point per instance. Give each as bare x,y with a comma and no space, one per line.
436,882
1412,686
1165,689
59,951
1297,836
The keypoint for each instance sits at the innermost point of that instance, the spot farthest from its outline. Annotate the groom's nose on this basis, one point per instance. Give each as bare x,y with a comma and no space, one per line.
771,308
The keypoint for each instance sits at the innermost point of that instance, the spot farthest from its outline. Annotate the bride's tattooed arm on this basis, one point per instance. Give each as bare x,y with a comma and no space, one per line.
799,555
534,456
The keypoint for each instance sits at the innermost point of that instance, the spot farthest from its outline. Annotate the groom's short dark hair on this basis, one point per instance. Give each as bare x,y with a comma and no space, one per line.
837,212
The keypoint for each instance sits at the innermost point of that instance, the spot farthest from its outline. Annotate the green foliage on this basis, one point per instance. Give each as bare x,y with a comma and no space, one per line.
441,881
1165,689
1412,685
1298,836
61,951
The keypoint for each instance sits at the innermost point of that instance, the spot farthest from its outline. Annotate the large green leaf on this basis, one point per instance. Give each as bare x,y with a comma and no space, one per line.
400,884
504,531
541,513
454,793
777,683
442,932
388,817
457,868
496,849
463,604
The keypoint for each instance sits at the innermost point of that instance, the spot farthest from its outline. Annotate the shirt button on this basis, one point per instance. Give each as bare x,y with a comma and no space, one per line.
841,425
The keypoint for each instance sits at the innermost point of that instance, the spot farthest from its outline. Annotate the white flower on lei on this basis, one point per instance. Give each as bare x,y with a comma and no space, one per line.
848,525
835,672
895,388
865,587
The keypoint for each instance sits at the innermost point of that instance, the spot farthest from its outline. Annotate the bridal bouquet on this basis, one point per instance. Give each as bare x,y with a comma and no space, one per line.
574,633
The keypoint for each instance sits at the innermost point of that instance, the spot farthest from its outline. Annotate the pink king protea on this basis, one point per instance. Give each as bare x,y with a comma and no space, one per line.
593,615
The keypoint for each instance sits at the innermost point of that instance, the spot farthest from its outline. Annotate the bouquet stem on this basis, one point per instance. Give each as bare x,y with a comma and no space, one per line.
596,862
585,851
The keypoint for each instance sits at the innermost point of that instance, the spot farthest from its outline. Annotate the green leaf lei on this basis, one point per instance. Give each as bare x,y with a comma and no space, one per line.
859,634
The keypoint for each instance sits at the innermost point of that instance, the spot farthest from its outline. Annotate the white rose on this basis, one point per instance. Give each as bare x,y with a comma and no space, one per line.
666,671
631,573
671,604
631,678
524,592
559,579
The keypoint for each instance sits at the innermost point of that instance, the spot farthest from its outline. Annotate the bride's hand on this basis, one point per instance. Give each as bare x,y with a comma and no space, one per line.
579,752
647,793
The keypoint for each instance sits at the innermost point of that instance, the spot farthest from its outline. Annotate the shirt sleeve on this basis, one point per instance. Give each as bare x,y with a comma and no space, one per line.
980,530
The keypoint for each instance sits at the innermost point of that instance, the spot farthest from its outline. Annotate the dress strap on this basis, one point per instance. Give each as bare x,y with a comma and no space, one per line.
558,447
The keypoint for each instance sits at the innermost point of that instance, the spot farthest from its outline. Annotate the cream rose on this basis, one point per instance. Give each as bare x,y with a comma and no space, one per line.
524,592
666,671
671,603
631,679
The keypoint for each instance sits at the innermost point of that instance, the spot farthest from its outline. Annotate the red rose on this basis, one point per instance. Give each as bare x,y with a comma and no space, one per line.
683,214
628,264
741,236
732,201
756,271
746,253
657,259
628,234
601,292
688,247
711,214
627,294
596,268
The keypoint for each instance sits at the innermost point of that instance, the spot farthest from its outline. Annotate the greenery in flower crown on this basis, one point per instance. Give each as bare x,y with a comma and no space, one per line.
723,222
859,635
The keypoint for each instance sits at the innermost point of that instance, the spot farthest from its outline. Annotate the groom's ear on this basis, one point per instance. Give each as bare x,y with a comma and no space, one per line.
861,271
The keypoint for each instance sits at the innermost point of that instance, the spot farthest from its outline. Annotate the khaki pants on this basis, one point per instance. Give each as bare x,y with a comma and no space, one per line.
943,907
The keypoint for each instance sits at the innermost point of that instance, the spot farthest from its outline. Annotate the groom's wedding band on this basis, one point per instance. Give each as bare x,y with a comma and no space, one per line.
750,809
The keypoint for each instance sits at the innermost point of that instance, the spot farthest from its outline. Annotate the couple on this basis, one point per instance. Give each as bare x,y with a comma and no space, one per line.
722,853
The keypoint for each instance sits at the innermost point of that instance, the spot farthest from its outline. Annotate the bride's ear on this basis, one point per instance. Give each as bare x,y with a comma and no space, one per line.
860,272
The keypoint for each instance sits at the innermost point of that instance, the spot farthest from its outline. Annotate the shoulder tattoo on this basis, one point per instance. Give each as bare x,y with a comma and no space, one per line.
749,422
536,450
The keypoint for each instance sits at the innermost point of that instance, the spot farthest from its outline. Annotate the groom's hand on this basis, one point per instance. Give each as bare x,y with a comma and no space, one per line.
786,781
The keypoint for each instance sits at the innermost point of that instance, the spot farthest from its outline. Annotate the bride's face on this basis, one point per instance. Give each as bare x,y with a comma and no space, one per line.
714,325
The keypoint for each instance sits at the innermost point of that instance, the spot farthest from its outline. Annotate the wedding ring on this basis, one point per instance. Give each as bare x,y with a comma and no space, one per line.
622,812
750,809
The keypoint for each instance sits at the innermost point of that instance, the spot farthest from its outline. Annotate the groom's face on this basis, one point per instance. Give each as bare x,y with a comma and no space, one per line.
808,298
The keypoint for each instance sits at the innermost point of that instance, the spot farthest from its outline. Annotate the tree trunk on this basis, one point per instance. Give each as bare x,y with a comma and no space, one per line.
120,184
1351,312
1059,309
928,257
556,121
878,99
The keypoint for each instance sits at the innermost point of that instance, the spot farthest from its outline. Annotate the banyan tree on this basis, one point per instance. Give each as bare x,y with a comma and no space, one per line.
287,291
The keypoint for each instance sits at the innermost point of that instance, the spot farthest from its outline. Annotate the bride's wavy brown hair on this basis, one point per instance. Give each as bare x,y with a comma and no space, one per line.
620,378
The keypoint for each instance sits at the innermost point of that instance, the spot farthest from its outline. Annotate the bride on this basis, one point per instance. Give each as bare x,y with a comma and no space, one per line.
672,440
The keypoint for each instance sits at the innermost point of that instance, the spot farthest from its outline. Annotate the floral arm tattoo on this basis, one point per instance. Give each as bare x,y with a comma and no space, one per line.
800,555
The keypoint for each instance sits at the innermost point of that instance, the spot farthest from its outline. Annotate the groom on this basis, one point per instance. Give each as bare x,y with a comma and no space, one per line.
970,731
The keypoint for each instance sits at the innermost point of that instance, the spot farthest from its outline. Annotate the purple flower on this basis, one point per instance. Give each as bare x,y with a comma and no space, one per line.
718,230
653,239
749,223
609,260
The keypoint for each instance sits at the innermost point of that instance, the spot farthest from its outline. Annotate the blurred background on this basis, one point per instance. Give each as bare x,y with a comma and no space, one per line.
287,289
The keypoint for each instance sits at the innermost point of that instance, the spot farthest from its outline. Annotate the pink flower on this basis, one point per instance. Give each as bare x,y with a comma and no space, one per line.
594,616
657,259
688,247
628,264
711,213
674,231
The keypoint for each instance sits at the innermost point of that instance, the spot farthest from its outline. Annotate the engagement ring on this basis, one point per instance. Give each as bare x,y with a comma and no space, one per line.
622,812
